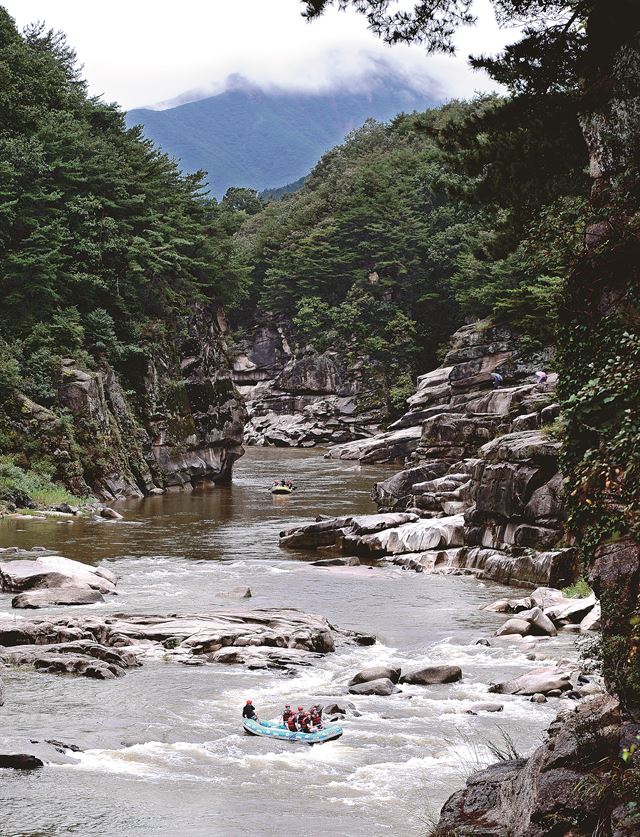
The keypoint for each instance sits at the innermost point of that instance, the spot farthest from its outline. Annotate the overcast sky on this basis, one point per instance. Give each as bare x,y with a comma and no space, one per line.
145,52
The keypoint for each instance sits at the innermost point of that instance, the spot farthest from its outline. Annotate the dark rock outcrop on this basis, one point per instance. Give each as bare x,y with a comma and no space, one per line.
571,785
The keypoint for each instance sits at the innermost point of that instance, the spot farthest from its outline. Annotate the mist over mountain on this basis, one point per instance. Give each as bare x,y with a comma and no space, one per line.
262,139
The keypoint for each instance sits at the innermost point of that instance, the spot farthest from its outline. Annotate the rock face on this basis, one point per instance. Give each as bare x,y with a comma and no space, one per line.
184,423
304,398
541,795
105,646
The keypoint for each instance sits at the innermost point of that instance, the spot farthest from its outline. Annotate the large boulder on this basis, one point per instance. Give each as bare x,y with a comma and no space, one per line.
539,681
51,571
375,673
431,675
382,687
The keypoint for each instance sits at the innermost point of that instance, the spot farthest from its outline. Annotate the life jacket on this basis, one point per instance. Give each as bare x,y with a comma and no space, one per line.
316,720
286,715
304,723
291,723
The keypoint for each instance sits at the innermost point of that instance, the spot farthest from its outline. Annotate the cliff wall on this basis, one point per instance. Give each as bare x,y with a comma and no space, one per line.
180,421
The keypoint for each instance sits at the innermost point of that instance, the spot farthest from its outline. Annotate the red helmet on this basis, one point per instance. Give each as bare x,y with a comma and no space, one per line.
249,701
300,708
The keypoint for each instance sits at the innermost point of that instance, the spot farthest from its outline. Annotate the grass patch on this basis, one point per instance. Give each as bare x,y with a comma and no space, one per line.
35,485
579,590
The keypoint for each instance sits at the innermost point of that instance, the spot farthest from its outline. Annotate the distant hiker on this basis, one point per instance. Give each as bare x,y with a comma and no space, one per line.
248,711
541,377
497,379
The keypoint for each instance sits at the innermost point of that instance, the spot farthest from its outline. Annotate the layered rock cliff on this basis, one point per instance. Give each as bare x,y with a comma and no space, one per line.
304,398
179,421
478,452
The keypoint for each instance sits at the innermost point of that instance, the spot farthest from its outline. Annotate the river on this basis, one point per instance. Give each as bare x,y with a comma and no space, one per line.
164,752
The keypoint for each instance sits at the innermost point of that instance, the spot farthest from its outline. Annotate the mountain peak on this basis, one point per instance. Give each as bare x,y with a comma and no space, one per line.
261,138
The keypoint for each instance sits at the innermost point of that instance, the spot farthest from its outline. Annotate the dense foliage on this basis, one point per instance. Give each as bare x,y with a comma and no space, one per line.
102,241
406,229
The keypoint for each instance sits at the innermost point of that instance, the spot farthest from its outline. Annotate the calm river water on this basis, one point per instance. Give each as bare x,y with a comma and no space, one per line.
164,752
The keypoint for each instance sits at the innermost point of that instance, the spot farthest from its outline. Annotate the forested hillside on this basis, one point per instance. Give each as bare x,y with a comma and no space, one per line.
409,228
104,245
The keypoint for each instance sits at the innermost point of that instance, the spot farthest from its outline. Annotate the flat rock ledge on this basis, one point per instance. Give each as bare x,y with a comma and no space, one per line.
431,545
106,646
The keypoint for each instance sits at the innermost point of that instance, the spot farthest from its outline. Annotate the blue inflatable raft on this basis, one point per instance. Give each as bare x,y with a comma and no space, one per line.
273,729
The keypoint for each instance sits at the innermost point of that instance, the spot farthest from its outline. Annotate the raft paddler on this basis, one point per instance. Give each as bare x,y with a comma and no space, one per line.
249,711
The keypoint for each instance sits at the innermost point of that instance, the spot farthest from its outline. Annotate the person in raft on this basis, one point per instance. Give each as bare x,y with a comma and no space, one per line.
248,711
316,716
286,714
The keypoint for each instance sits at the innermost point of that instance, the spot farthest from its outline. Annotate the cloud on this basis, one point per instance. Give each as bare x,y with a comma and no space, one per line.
145,52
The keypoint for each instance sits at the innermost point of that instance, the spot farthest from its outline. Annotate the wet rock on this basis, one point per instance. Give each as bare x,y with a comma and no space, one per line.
382,687
327,532
418,536
431,675
350,561
396,491
538,698
476,708
501,606
540,623
236,593
34,599
110,514
546,596
393,446
572,611
45,641
340,708
20,761
261,658
375,673
543,680
514,626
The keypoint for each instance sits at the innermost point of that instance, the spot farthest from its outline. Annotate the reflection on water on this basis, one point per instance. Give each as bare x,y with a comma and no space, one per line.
164,754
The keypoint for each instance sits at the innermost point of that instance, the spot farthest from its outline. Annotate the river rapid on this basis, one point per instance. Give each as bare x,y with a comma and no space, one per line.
163,748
